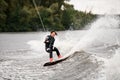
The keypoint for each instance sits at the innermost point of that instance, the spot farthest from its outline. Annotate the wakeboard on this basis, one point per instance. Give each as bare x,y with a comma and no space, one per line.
55,62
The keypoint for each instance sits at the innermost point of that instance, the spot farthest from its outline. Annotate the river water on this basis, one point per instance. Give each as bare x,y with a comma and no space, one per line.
95,53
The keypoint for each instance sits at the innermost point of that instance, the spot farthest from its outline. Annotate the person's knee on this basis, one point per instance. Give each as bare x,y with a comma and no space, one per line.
55,48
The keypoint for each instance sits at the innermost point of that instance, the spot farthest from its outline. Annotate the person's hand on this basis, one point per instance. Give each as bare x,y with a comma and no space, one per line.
47,41
48,49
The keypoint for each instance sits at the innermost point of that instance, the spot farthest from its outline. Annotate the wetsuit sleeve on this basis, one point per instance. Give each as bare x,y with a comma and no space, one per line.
47,40
51,44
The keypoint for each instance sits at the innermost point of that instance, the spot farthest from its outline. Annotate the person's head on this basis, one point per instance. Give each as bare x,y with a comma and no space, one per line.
53,33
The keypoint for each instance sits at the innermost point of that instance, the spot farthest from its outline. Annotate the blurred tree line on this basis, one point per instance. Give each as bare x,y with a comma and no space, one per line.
21,15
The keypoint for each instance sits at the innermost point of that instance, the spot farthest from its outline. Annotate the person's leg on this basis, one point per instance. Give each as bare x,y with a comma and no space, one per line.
57,51
50,54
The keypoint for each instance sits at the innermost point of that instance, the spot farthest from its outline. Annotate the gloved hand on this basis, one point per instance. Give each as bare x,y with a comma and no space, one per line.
48,49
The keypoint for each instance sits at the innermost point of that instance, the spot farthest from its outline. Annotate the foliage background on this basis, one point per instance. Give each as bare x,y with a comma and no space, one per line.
21,16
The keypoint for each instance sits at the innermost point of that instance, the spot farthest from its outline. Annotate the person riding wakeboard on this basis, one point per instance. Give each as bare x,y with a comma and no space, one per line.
49,42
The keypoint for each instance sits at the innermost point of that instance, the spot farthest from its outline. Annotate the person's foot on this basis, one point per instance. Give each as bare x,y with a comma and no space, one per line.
59,56
51,59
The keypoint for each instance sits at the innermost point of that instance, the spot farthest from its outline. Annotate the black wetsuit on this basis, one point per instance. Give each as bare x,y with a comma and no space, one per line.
49,42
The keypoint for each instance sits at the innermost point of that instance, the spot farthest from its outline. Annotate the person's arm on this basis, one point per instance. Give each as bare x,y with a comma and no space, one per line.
51,44
47,40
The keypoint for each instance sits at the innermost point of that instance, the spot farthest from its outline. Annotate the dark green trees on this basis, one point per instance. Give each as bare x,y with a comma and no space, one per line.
3,8
20,15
